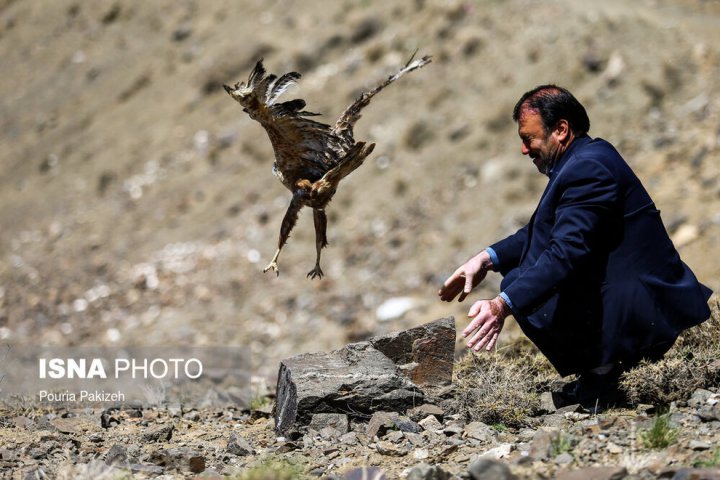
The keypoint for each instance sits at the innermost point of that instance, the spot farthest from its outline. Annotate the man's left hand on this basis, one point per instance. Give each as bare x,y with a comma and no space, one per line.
488,318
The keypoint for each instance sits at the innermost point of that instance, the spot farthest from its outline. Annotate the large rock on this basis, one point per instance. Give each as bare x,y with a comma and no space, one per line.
388,373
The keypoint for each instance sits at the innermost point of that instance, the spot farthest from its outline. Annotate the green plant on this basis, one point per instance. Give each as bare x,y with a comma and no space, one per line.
259,402
273,468
499,427
660,435
560,444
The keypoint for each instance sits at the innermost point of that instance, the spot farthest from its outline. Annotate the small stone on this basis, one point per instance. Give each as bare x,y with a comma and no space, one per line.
454,428
380,423
489,469
365,473
699,445
338,421
418,413
420,454
700,397
390,449
180,459
117,455
193,416
594,473
479,431
349,438
541,444
614,448
158,433
239,446
424,471
547,405
431,423
500,451
709,413
563,459
404,424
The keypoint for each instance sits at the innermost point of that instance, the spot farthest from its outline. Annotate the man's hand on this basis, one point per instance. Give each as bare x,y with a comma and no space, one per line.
466,277
488,318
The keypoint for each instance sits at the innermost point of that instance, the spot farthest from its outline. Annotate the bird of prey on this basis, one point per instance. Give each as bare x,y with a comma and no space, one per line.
310,157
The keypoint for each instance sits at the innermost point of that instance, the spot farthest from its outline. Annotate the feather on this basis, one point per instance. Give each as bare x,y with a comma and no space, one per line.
291,107
257,73
281,86
263,86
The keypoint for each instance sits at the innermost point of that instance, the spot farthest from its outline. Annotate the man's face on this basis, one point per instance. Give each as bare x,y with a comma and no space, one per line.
543,149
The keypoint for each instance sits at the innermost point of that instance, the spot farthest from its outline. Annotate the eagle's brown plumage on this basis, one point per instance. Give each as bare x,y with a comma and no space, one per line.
310,157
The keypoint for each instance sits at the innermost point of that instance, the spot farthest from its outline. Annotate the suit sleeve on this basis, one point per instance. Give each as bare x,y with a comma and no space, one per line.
509,250
588,195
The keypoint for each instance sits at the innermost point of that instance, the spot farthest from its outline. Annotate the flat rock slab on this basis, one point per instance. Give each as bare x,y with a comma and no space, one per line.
387,373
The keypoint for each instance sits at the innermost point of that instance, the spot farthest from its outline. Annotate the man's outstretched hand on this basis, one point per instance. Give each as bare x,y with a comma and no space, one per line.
488,318
466,277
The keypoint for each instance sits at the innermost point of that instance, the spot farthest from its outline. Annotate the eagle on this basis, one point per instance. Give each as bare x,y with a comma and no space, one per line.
310,157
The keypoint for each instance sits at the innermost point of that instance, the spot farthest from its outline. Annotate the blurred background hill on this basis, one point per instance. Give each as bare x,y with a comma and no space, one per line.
137,204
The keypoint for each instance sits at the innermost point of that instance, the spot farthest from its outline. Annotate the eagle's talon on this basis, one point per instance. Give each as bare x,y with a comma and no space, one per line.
315,272
274,267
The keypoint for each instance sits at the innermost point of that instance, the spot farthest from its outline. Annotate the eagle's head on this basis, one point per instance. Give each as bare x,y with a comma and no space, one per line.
242,94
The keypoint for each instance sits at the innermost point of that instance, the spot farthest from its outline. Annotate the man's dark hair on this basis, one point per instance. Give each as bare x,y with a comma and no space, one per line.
554,103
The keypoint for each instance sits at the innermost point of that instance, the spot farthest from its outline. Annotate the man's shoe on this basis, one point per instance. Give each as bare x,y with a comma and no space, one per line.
594,392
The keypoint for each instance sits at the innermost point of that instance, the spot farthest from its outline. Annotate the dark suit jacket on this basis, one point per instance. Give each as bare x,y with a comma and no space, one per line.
594,277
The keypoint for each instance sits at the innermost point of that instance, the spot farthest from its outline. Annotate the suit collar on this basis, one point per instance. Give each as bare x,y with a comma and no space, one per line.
579,142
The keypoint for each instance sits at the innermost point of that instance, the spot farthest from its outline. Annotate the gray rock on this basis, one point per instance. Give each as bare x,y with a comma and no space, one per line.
239,446
594,473
425,353
541,444
365,473
404,424
380,423
383,373
338,421
430,423
180,459
699,398
158,433
424,471
709,413
489,469
697,474
418,413
547,404
117,455
479,431
699,445
391,449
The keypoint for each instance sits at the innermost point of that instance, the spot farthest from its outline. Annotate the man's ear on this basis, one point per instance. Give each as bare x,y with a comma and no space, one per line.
562,131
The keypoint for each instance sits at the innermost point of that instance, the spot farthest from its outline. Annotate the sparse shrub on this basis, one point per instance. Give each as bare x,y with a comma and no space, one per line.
663,382
497,388
692,363
660,435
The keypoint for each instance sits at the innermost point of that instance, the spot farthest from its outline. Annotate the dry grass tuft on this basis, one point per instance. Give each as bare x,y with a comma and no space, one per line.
500,387
692,363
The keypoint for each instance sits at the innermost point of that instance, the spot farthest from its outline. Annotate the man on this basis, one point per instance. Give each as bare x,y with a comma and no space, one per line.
593,279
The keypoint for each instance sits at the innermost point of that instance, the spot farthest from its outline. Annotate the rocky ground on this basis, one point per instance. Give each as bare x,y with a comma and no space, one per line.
427,444
138,207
